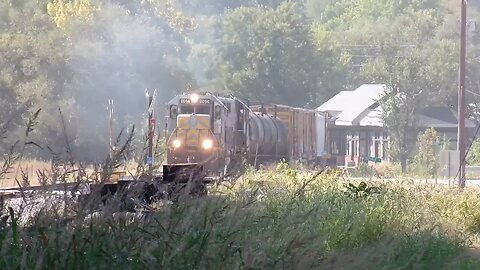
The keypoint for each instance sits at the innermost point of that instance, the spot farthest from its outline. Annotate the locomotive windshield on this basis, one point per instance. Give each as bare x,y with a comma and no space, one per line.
197,109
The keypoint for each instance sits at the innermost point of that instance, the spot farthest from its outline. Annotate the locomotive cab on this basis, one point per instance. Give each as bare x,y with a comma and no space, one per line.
194,129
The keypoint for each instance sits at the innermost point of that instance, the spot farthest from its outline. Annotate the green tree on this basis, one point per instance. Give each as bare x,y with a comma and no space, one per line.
414,81
404,97
426,158
117,55
34,68
268,55
63,12
473,157
396,43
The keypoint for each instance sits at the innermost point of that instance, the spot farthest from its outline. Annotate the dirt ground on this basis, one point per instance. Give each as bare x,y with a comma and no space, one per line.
23,170
31,171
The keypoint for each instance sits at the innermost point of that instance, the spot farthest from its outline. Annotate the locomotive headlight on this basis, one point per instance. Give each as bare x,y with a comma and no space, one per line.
207,144
194,98
176,143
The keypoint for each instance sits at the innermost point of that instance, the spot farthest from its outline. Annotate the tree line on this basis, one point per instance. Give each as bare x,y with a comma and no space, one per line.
69,57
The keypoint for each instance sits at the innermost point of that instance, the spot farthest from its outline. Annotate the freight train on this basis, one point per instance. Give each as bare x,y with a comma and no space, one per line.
212,137
223,133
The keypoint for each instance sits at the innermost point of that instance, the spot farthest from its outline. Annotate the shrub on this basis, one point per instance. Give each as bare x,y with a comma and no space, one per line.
425,162
473,157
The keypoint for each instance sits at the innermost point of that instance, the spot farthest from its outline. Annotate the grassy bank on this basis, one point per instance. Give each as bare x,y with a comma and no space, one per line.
277,219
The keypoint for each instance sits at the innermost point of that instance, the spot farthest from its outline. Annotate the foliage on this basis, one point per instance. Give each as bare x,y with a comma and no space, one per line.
63,12
389,170
389,47
426,159
360,191
409,80
445,142
268,55
363,170
473,157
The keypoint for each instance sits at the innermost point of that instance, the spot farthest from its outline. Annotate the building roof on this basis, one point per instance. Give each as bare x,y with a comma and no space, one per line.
349,106
441,117
360,108
337,103
373,118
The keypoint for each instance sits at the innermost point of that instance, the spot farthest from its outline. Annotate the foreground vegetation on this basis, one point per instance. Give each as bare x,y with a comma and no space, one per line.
271,219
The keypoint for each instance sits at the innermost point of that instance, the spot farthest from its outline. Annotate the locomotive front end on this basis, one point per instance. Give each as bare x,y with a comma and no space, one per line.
191,138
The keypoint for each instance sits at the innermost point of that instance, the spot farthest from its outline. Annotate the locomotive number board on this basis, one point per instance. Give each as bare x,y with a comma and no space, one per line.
200,101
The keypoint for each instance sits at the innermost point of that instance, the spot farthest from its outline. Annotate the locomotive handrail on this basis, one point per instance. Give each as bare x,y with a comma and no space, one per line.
218,100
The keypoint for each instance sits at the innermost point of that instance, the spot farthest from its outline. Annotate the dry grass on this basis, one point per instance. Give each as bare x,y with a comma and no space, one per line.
32,171
269,219
29,169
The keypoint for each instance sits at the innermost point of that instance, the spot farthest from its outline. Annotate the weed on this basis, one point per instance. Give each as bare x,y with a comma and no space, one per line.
360,191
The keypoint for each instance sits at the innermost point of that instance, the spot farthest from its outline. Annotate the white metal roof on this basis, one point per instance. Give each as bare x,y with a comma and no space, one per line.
336,103
360,108
373,118
351,106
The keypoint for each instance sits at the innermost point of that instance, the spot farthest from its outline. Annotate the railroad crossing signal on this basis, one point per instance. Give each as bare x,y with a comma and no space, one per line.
151,127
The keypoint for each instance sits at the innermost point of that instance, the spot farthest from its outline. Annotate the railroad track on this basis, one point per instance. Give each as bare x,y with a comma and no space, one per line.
59,188
79,188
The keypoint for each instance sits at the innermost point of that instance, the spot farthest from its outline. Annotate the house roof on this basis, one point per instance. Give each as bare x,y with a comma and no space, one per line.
350,106
360,108
373,118
337,103
441,117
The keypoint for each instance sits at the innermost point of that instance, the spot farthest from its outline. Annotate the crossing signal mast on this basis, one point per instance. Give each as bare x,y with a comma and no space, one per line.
151,127
110,127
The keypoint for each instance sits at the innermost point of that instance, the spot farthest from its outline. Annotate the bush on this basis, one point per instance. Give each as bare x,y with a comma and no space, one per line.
473,157
425,162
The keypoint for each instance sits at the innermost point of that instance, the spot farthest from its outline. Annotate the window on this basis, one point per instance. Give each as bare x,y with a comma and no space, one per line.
187,109
240,118
198,109
335,148
218,112
353,148
173,111
202,110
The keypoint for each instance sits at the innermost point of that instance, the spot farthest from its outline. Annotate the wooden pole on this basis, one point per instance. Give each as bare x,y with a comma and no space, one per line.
461,95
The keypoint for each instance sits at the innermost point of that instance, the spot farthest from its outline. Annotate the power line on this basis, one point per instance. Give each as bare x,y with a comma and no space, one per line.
473,93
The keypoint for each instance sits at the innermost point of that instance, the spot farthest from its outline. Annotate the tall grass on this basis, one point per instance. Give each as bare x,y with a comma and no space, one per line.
269,219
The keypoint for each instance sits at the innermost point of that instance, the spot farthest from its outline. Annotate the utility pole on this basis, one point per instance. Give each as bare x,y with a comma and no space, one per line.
151,128
461,95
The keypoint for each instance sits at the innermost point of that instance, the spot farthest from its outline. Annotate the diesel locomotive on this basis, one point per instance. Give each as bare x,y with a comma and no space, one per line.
222,132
